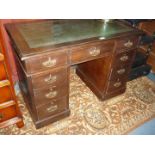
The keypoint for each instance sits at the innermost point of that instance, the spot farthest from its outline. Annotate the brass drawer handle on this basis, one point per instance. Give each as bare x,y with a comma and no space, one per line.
121,71
1,57
128,44
4,83
124,58
94,51
51,94
49,63
117,84
50,79
52,108
1,116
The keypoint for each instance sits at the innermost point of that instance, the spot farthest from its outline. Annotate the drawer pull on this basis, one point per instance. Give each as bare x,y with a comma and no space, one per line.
121,71
128,44
51,95
94,51
50,79
52,108
1,116
1,57
124,58
49,63
117,84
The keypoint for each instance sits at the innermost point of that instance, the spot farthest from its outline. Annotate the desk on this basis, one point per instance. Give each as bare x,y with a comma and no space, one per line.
45,51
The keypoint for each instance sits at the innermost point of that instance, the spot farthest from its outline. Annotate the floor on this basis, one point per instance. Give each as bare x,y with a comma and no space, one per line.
147,128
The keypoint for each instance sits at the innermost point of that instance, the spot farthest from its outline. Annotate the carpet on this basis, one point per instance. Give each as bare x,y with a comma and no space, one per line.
89,116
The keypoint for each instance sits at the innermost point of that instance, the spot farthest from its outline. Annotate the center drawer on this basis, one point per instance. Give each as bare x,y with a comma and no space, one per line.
91,51
54,77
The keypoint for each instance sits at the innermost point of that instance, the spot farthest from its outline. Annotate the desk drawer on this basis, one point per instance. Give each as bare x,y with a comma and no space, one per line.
7,113
124,58
2,71
127,43
54,77
90,52
116,85
45,95
46,62
120,71
52,107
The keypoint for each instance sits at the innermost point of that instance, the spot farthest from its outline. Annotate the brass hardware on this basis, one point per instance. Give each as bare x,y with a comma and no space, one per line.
50,79
121,71
128,44
1,116
52,108
51,94
1,57
49,63
94,51
117,84
124,58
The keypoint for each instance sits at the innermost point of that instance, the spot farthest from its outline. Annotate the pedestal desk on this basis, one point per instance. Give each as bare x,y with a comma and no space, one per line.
45,50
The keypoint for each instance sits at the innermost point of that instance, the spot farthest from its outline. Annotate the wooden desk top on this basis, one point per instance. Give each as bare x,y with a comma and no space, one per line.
32,38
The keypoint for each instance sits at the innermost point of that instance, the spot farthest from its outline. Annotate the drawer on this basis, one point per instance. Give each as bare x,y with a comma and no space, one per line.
54,77
5,94
2,71
46,62
126,43
45,95
124,58
52,108
116,85
120,71
90,52
7,113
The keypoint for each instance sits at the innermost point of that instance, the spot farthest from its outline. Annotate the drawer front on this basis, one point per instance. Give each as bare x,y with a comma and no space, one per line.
115,85
54,77
120,71
127,43
5,94
7,113
52,107
2,71
46,62
124,58
45,95
90,52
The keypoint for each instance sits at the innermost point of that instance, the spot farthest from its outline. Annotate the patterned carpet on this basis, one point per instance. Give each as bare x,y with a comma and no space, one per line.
116,116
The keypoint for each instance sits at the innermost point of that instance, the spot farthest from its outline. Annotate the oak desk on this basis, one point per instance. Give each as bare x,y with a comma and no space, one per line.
45,50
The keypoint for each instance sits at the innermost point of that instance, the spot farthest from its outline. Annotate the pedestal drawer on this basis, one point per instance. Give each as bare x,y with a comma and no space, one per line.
45,95
52,107
126,43
120,72
124,58
46,62
116,85
54,77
